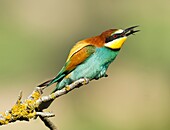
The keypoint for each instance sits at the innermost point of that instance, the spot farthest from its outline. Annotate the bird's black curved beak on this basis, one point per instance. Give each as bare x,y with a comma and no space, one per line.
130,31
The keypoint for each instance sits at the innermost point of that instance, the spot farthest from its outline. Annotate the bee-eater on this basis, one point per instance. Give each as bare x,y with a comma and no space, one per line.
91,57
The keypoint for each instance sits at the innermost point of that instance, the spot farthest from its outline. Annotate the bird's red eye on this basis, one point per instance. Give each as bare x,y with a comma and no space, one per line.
115,36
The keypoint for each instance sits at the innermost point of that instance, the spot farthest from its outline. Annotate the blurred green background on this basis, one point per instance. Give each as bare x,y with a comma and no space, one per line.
35,39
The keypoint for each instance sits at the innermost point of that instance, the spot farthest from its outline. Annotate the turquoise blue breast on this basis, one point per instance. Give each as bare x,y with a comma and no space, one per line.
96,65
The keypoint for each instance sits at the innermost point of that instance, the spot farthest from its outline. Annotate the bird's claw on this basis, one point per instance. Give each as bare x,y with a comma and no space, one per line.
67,88
86,81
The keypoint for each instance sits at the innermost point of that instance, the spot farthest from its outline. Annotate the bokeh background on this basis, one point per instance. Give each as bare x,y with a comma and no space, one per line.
35,39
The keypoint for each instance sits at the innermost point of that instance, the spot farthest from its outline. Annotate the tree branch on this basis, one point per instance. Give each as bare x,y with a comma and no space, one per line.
34,105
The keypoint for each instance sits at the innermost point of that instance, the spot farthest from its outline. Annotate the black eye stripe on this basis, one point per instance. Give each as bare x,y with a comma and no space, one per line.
111,38
108,39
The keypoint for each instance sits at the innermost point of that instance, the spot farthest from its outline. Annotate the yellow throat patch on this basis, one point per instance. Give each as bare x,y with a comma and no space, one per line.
116,44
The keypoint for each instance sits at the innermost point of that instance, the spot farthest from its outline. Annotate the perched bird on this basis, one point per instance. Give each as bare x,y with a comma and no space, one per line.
91,57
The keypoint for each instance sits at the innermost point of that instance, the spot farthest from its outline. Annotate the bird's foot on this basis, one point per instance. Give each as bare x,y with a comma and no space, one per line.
67,88
86,81
106,75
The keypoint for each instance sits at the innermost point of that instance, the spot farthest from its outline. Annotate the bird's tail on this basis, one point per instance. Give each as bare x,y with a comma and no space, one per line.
46,83
52,81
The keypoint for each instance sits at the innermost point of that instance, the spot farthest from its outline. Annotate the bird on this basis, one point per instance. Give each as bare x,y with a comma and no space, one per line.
90,58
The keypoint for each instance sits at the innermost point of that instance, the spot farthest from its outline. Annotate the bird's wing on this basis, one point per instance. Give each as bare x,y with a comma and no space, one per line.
78,54
80,45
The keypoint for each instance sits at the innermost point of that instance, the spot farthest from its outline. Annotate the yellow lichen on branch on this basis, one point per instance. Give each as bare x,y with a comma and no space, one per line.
34,105
21,110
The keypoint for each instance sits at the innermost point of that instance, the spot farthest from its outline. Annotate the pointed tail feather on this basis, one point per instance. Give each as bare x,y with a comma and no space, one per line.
52,81
46,83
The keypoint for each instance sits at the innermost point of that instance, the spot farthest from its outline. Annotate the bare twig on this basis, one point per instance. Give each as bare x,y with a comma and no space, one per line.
45,101
48,123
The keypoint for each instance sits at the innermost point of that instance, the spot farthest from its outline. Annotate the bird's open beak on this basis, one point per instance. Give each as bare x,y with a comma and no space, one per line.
130,31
